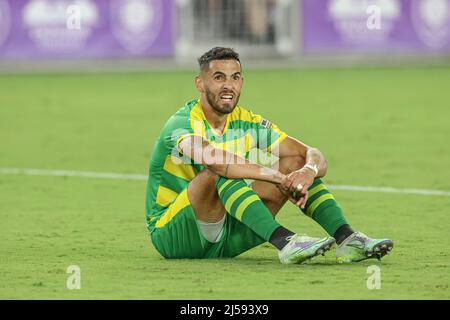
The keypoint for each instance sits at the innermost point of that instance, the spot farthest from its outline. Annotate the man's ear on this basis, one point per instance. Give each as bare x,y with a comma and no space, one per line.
199,84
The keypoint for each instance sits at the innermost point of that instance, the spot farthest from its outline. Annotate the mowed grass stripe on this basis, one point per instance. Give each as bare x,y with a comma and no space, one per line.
124,176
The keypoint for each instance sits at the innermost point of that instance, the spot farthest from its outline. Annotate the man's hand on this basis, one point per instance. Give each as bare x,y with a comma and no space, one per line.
296,186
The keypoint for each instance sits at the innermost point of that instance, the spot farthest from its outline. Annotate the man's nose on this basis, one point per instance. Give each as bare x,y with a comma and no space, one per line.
228,84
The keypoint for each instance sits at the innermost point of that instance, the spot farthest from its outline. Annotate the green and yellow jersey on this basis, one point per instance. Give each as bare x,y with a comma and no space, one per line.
170,172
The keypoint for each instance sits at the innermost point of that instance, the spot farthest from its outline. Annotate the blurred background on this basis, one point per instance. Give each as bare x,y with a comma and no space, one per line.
149,34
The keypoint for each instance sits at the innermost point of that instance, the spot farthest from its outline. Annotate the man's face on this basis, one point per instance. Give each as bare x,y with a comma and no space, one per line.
221,84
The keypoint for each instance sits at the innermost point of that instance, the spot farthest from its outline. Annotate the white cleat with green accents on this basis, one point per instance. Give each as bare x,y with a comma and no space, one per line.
301,248
359,247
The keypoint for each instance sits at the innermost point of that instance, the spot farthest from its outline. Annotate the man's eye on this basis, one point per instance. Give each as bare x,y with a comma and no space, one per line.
218,77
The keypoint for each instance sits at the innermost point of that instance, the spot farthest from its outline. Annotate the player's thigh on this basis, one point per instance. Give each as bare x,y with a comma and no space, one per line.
177,234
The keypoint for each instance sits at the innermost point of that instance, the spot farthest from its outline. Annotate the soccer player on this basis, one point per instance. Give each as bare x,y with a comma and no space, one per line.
200,202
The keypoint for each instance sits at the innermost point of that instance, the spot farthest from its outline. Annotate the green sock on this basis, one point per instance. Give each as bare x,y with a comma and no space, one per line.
323,208
243,203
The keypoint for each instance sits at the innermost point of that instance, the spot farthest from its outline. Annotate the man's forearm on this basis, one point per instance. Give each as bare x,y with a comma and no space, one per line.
227,164
255,172
240,168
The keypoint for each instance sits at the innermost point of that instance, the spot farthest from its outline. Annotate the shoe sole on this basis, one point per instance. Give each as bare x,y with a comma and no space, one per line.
324,247
379,251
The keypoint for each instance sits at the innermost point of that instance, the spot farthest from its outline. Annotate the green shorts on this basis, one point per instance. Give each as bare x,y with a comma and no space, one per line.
178,236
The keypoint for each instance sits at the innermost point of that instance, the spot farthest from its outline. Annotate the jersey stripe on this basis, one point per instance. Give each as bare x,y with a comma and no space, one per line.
197,119
239,146
164,196
181,170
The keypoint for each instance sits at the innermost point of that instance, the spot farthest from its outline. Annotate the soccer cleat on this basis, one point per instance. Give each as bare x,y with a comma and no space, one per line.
358,247
301,248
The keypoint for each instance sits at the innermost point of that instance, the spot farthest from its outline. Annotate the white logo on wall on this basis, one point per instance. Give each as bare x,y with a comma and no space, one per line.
353,18
431,20
136,23
5,21
46,21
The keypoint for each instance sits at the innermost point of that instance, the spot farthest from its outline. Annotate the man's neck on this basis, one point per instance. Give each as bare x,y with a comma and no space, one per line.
216,119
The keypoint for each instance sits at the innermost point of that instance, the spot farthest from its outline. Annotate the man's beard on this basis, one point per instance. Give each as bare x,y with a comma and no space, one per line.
226,108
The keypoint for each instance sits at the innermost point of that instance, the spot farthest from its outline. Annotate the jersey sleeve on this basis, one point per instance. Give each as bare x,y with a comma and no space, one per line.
178,127
269,135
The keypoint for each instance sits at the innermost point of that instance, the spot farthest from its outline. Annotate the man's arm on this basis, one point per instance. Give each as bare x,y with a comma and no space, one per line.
302,179
291,147
227,164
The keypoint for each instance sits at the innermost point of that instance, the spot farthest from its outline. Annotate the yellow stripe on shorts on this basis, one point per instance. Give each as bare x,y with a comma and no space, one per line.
316,203
181,202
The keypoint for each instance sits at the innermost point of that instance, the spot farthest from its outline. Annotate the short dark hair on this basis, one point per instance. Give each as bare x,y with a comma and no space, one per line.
217,53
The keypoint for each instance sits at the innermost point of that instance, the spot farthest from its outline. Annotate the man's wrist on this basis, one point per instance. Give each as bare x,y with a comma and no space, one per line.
271,175
312,167
279,177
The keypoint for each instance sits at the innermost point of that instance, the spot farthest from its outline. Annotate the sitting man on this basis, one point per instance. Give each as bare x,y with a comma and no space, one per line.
200,206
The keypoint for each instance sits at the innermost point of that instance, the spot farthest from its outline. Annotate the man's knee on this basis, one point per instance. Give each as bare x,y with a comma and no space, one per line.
291,164
203,186
206,178
204,198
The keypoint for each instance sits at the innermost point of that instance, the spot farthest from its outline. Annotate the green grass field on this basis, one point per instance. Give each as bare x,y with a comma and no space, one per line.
377,127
